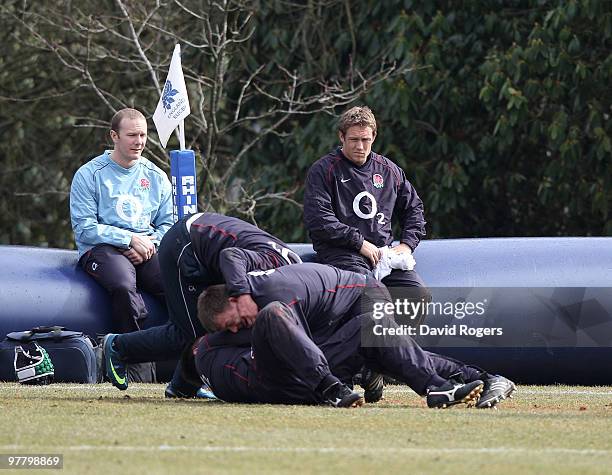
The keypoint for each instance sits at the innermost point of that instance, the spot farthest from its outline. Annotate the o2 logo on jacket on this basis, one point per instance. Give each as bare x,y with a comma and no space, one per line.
378,181
287,254
374,212
259,273
129,208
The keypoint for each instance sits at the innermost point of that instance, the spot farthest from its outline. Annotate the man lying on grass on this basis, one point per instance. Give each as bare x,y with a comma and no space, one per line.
313,333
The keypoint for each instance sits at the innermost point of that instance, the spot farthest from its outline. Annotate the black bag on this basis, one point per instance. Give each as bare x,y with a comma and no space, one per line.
72,353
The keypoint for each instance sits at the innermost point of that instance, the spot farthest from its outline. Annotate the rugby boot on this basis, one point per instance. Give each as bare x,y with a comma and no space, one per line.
454,391
496,389
372,383
115,368
340,395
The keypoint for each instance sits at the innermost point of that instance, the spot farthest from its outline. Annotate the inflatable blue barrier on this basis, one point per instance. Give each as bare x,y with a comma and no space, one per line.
538,310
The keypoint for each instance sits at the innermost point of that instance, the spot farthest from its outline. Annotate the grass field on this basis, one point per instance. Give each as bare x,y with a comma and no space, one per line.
98,429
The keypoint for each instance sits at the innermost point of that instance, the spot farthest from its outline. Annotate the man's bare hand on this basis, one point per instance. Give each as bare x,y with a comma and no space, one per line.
143,246
371,252
247,309
133,256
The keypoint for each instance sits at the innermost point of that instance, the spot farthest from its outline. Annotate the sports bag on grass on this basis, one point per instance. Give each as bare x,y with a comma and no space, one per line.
71,353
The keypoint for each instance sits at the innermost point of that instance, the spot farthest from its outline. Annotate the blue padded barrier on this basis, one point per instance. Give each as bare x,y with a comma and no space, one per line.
563,330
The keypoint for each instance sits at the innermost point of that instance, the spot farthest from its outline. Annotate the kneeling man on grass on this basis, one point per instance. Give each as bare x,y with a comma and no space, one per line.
313,333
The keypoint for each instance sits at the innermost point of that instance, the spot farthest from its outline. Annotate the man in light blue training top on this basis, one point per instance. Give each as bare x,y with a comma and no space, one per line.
120,207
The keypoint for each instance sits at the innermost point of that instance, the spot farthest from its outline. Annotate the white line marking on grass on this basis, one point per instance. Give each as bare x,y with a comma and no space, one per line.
333,450
561,392
520,390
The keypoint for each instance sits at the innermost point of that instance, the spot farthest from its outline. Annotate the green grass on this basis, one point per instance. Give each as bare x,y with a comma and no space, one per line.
98,429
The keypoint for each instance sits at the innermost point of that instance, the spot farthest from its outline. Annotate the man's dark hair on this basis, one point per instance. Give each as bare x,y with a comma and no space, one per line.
358,115
125,114
210,303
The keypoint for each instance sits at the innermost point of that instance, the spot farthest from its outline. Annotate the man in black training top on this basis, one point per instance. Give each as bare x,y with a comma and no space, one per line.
315,330
351,196
190,260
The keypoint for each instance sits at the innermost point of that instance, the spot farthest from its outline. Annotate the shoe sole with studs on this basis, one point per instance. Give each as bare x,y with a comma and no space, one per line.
470,399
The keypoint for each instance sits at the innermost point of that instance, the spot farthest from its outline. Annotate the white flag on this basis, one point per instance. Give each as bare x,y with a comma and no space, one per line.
173,104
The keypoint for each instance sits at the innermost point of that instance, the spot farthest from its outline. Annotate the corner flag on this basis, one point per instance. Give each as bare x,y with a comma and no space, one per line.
173,105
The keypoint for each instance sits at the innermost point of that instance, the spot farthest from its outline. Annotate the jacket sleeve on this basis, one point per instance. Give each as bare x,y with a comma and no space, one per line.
236,262
163,220
319,215
84,215
409,211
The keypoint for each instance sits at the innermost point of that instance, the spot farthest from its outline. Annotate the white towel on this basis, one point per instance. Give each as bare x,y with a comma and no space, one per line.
392,260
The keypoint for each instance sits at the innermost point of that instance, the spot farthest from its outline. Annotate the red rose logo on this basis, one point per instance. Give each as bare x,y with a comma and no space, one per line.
378,181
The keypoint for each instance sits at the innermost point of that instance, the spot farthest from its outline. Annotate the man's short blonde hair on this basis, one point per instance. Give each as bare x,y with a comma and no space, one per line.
359,115
125,114
211,302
